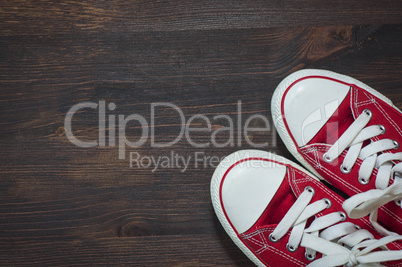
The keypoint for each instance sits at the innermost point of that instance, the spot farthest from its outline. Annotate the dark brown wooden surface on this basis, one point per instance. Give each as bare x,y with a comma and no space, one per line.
65,205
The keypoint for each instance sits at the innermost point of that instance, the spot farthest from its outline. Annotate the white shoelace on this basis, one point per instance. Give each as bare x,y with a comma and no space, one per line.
368,202
341,243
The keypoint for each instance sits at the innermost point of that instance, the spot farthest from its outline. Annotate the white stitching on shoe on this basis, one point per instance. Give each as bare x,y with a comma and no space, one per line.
353,137
315,148
265,245
339,179
340,201
389,119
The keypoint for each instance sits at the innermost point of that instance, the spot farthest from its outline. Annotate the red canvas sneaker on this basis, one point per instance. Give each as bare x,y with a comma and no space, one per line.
280,215
347,133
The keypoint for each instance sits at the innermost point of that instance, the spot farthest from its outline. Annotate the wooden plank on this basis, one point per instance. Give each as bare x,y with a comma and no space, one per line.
205,73
195,250
27,17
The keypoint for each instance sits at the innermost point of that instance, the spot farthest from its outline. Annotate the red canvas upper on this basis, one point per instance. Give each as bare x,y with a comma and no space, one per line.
295,182
352,106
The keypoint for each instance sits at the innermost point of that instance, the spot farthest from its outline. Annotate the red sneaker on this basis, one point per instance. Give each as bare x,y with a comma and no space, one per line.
280,215
347,133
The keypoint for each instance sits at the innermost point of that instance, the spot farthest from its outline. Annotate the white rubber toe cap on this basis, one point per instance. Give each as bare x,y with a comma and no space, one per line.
308,105
247,190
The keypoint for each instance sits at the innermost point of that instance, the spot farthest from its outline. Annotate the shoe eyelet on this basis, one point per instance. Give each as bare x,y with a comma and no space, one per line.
343,215
368,112
357,227
310,189
272,238
382,128
328,202
396,144
291,249
363,181
345,170
309,257
398,202
326,158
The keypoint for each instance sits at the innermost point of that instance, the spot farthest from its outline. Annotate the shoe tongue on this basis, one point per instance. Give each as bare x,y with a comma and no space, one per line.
336,125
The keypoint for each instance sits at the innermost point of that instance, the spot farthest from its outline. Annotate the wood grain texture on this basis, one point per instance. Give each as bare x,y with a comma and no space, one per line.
65,205
34,17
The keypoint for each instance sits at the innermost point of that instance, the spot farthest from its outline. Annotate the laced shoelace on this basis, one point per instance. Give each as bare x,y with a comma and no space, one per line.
341,243
373,155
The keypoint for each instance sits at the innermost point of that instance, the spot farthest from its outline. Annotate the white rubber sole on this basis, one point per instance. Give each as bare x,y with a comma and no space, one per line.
216,182
276,103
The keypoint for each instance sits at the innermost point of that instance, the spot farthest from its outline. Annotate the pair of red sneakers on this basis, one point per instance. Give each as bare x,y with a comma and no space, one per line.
279,214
